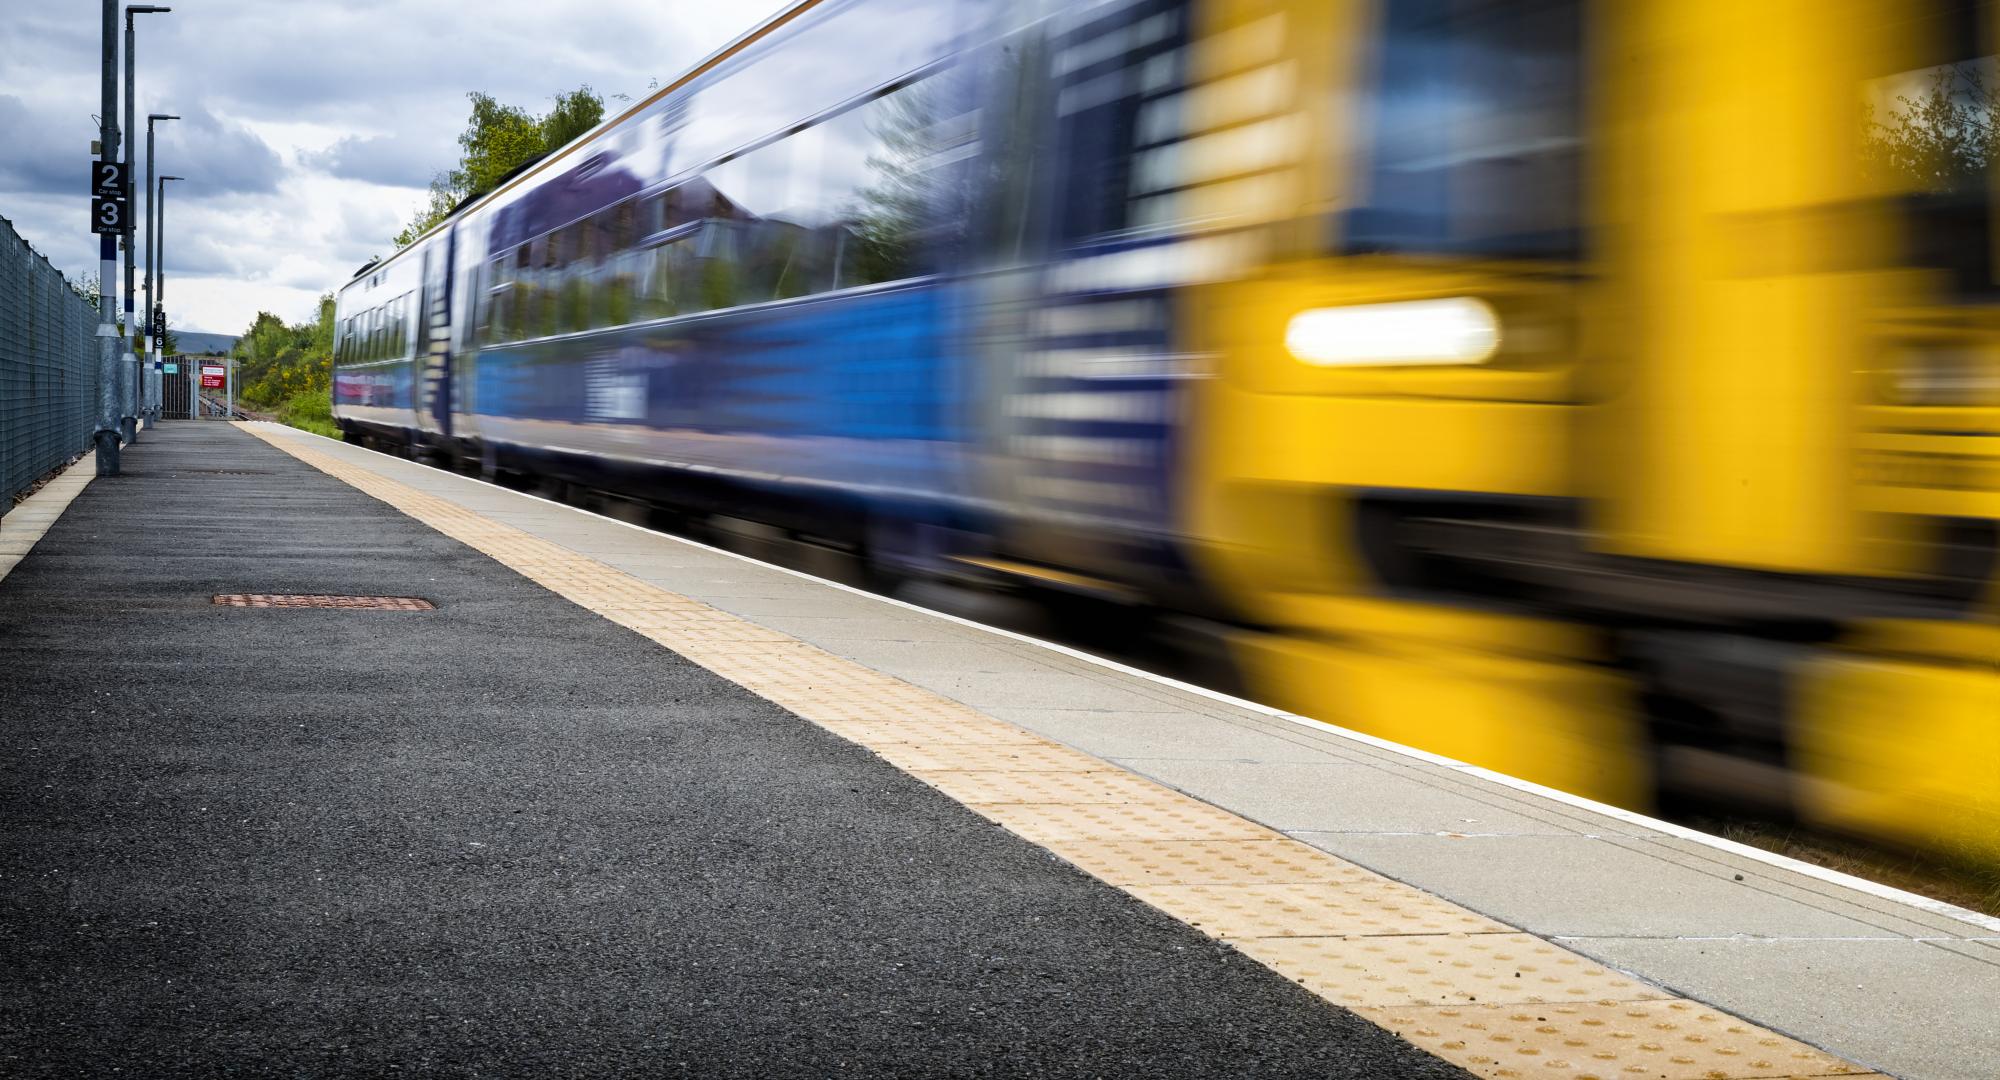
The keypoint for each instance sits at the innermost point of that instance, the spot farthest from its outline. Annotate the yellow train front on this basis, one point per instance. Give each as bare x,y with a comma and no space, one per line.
1609,393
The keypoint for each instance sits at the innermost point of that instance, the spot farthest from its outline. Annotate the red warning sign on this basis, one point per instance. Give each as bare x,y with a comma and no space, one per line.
212,378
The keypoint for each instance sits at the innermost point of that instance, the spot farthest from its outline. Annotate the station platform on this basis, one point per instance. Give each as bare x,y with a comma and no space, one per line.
322,762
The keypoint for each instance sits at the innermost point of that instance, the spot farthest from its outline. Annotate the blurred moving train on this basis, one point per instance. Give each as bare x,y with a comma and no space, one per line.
1607,393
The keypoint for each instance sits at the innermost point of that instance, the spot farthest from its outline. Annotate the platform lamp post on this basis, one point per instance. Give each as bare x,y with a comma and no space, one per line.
154,402
105,436
132,384
160,270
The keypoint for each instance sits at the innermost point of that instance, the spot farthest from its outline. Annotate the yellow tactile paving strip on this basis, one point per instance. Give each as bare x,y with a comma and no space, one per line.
1495,1001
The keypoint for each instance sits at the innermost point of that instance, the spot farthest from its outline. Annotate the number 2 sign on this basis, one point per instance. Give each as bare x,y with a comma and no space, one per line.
108,205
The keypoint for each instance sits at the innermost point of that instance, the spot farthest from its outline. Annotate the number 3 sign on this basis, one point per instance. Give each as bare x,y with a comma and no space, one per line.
108,204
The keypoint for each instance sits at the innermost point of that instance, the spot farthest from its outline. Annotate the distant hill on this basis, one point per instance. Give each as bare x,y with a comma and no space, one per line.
196,344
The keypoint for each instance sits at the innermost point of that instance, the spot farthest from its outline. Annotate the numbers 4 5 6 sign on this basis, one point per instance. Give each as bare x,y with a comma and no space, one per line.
110,206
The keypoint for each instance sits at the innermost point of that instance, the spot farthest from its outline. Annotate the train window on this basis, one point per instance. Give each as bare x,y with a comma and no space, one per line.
652,214
523,277
531,279
614,229
549,285
710,269
851,201
1476,130
617,281
694,201
755,187
652,291
490,298
1115,74
571,263
896,207
1930,132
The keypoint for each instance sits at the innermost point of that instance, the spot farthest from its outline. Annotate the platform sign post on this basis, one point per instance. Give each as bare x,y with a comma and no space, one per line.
103,221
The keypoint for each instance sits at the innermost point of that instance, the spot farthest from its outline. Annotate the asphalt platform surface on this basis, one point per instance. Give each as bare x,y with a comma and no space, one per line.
509,838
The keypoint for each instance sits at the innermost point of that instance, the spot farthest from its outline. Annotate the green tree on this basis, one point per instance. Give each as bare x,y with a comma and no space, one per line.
498,141
575,113
288,367
86,287
442,198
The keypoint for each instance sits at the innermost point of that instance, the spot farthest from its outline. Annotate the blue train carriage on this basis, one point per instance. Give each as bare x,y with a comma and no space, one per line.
377,337
732,297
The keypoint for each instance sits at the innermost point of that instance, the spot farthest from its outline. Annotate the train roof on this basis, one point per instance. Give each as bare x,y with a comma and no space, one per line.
529,169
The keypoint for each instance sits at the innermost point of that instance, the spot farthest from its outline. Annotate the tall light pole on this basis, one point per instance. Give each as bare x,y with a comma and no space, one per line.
106,435
129,421
160,266
159,387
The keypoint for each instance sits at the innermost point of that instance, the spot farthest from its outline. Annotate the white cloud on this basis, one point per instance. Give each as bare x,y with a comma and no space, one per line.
309,130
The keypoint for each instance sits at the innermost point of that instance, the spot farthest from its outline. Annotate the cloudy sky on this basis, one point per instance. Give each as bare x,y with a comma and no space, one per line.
309,131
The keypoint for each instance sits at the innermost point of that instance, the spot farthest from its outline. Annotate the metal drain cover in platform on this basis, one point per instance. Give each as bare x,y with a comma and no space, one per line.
310,600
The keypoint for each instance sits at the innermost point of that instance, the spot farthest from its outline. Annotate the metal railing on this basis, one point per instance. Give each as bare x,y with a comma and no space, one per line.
48,367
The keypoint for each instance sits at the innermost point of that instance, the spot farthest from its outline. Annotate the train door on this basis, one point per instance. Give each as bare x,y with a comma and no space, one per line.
1084,378
434,341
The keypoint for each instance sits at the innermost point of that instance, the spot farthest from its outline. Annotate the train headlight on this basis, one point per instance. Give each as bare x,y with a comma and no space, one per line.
1454,330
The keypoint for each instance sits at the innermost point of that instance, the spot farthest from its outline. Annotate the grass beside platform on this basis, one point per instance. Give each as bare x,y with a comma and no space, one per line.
311,411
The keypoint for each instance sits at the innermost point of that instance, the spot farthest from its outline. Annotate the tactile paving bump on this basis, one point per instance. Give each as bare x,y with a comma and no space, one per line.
1668,1040
1206,862
1154,819
888,709
1326,909
943,727
1010,757
1102,786
314,600
1432,969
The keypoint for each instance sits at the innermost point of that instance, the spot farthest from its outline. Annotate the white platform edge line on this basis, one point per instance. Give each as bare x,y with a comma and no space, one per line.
1630,817
48,494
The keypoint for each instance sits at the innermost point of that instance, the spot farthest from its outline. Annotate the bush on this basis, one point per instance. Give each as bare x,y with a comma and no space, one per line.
310,410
